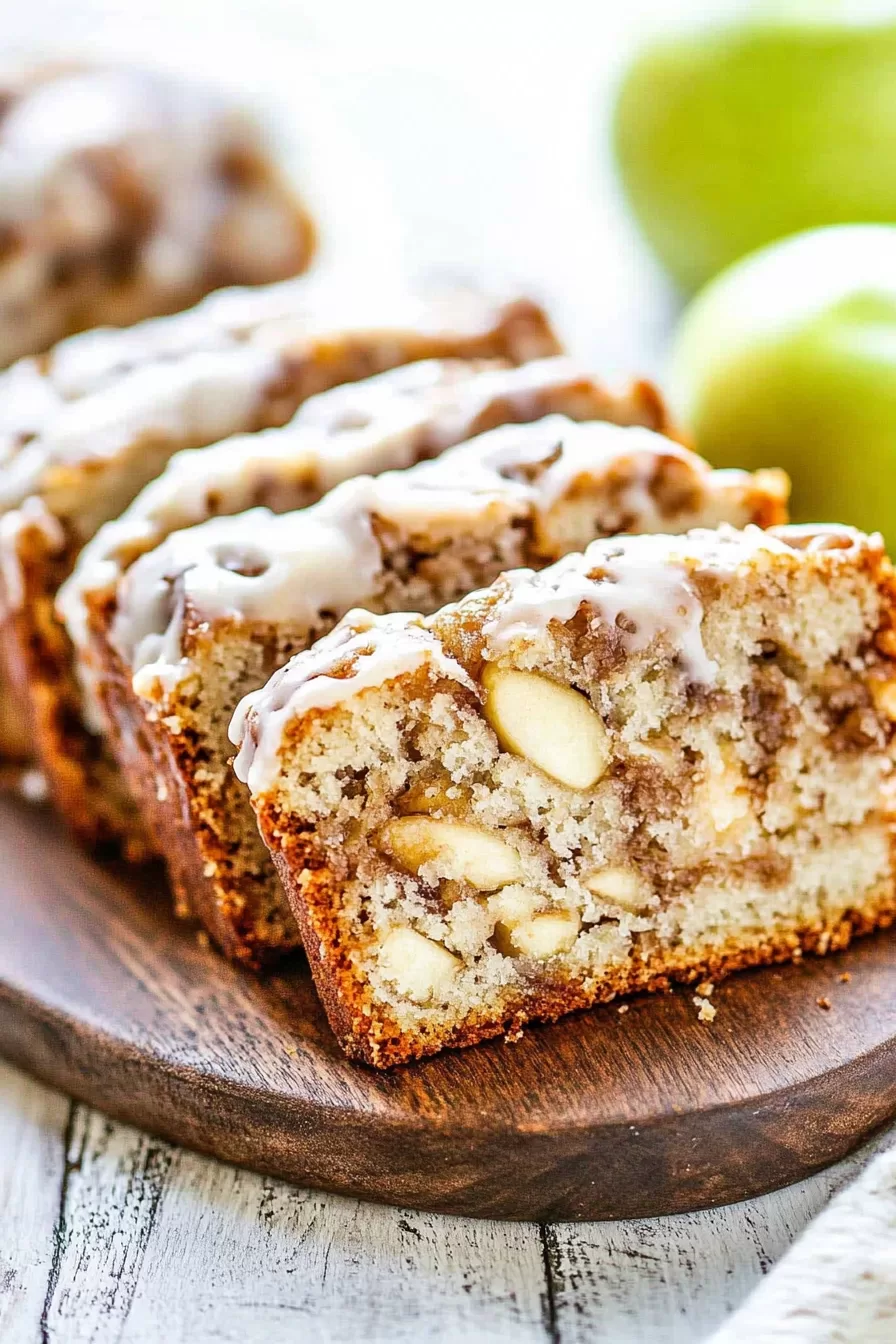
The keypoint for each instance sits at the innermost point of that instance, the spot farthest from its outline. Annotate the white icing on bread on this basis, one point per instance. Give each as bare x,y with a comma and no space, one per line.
200,374
478,488
133,188
644,580
374,649
173,132
389,421
204,395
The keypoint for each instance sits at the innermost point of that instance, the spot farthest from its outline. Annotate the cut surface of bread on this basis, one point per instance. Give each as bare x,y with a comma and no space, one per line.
397,418
209,614
129,193
84,430
665,759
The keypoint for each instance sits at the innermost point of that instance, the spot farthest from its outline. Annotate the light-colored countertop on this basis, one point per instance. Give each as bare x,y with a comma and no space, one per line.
108,1236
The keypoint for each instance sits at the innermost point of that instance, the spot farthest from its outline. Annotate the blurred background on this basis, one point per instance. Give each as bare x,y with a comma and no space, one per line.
467,139
613,159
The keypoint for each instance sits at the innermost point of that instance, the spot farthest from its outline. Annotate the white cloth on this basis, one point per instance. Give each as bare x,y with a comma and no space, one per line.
837,1285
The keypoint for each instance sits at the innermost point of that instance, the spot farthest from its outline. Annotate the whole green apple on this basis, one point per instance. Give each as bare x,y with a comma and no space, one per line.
779,118
789,359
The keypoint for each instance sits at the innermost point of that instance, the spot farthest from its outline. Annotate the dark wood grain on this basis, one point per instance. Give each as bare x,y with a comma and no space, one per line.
606,1115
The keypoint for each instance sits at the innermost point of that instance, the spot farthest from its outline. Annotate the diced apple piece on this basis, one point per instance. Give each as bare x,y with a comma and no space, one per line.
514,904
420,968
460,851
541,937
619,886
552,726
884,693
725,793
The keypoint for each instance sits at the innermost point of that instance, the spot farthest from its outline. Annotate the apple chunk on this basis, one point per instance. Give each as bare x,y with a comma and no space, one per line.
459,851
738,127
418,967
552,726
541,937
619,886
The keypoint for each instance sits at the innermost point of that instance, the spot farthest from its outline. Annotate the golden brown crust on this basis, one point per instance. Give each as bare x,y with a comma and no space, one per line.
366,1032
80,774
159,767
16,739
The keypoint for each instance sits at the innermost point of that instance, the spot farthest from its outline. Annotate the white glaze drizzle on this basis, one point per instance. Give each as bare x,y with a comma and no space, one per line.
171,137
321,566
374,425
641,590
83,364
377,650
101,388
467,487
204,396
639,585
172,130
354,406
828,537
644,578
12,525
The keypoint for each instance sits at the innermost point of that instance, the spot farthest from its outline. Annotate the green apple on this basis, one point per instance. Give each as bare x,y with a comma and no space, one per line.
789,359
779,118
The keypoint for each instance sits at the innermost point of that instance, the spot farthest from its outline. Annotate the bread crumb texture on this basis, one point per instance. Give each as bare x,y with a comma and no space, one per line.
588,806
675,772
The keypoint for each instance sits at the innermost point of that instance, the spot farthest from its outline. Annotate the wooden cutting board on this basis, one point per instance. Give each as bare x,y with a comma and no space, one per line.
606,1115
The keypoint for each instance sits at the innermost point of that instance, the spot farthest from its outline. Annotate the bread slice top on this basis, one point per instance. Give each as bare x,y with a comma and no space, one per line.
389,421
638,591
521,492
85,428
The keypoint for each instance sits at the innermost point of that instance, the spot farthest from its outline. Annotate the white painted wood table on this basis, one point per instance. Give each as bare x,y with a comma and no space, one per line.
464,140
108,1236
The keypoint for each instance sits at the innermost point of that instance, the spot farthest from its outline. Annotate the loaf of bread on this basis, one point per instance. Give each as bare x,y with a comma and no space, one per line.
209,614
126,194
664,759
86,428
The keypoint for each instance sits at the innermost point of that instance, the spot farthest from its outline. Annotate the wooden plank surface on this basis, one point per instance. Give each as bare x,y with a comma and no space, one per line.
104,994
33,1139
839,1280
108,1235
